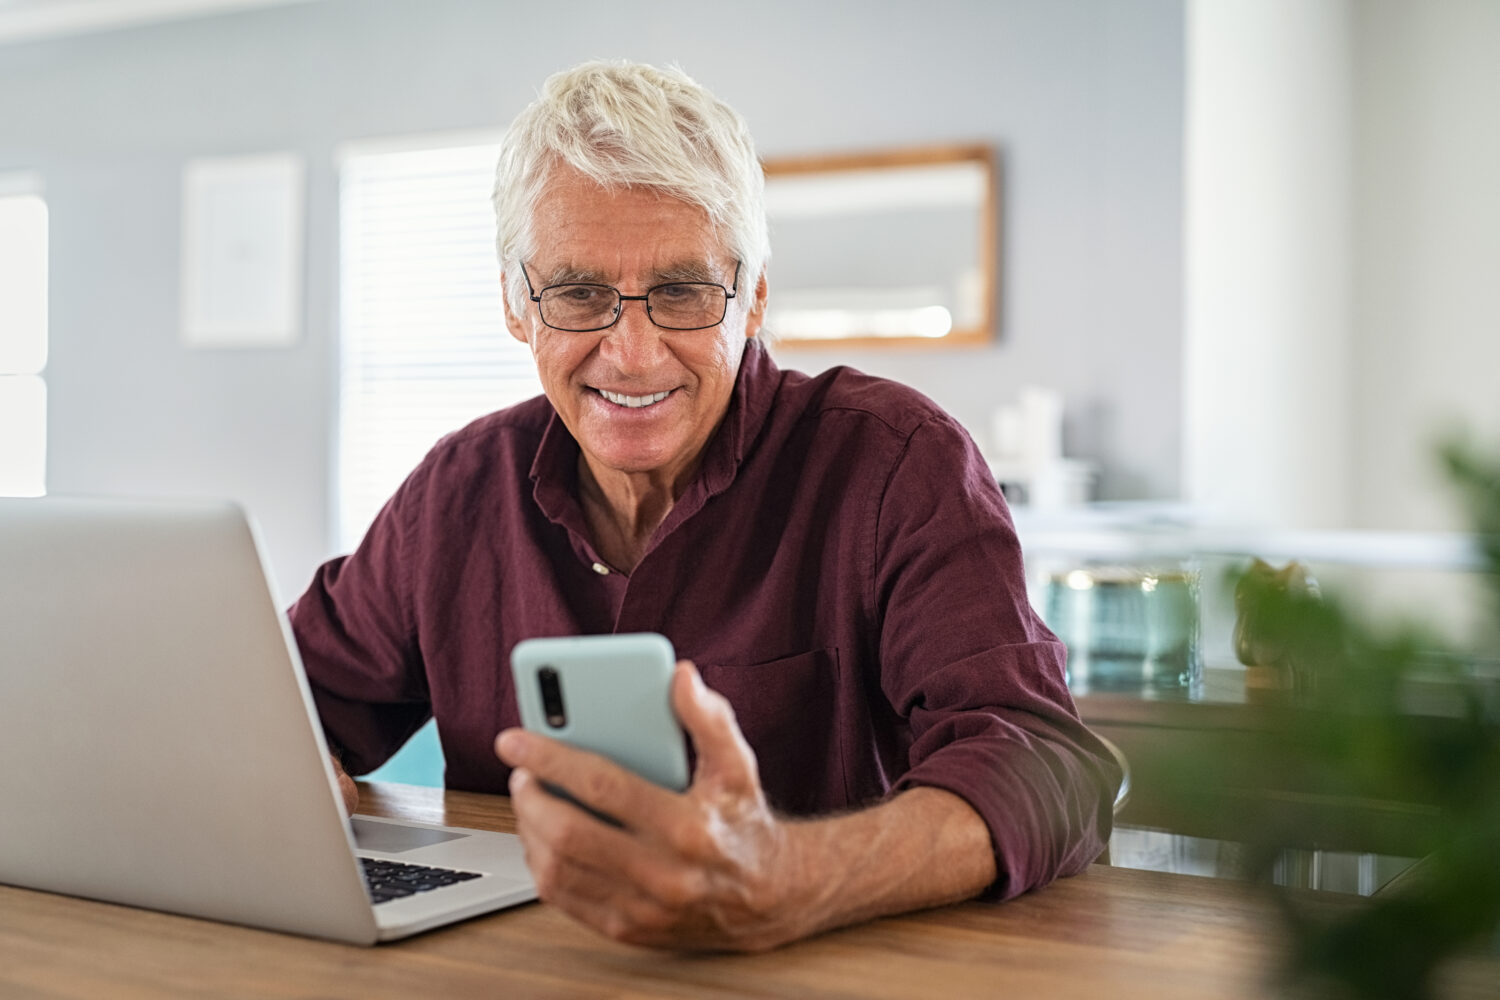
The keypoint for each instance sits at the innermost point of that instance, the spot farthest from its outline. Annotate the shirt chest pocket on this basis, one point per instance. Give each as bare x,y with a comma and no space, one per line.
793,714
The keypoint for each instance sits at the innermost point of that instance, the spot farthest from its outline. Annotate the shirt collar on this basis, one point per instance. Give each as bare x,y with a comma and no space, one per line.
754,391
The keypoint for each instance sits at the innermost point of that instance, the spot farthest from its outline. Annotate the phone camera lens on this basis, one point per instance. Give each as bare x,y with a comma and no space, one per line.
552,699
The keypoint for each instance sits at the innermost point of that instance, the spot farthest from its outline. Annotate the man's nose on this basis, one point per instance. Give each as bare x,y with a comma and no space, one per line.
634,343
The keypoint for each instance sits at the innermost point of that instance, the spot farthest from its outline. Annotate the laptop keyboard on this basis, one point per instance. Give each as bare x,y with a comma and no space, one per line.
388,880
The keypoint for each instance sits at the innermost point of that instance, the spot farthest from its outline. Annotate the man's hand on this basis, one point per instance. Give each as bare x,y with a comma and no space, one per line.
714,868
710,868
347,788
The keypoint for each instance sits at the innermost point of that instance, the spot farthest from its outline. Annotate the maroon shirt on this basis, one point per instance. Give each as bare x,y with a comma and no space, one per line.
843,568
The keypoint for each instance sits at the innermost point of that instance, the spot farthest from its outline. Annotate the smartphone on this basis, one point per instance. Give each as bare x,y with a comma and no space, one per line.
608,694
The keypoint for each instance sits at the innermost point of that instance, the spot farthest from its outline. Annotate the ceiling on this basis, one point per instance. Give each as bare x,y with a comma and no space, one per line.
27,20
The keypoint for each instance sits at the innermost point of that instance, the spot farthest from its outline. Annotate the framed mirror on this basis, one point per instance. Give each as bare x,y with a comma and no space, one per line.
875,249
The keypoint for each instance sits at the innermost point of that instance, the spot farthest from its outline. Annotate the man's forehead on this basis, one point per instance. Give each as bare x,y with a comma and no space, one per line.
587,232
575,250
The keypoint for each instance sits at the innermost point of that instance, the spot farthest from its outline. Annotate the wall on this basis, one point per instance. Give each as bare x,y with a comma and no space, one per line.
1082,98
1343,237
1427,190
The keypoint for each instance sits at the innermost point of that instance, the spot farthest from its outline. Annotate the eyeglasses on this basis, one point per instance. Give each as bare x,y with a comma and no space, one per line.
582,307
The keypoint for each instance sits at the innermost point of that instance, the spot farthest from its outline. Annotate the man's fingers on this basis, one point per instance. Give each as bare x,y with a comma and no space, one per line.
593,780
593,864
561,869
596,898
350,791
347,788
723,755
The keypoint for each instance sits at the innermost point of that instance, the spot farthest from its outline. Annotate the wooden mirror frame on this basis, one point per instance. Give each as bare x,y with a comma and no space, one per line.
980,334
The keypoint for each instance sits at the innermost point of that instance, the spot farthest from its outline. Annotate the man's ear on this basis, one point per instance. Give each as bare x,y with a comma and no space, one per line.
513,323
757,315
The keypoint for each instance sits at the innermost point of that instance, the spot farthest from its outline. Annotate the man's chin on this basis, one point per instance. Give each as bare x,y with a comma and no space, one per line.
627,460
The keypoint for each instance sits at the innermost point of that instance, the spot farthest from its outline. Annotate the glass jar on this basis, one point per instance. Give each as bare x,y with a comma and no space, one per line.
1127,627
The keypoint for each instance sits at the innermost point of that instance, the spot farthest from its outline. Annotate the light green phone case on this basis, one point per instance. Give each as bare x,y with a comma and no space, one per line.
616,695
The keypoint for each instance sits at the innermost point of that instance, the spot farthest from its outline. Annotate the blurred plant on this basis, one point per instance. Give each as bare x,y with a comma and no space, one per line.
1348,730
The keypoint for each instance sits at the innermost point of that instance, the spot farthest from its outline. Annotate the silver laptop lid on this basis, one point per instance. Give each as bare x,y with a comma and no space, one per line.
157,742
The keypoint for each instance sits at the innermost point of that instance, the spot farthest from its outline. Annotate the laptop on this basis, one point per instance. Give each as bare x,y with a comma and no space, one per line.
159,746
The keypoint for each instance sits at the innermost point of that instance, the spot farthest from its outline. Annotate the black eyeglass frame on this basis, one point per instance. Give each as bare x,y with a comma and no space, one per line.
621,298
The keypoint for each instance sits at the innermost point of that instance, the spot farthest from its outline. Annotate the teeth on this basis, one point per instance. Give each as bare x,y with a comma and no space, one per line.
634,402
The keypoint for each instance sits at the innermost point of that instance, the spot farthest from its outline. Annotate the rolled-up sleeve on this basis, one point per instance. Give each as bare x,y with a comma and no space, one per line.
974,671
354,629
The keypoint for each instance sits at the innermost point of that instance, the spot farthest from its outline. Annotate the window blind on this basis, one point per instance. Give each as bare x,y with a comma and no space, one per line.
424,348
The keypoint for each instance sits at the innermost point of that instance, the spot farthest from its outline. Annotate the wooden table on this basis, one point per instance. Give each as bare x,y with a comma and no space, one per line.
1107,933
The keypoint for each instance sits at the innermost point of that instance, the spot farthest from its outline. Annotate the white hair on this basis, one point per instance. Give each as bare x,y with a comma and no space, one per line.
626,124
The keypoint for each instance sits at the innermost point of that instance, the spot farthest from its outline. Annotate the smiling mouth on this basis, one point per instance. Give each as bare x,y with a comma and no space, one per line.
633,402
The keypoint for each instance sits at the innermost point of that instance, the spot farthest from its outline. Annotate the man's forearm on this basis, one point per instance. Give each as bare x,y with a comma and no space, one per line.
923,848
714,868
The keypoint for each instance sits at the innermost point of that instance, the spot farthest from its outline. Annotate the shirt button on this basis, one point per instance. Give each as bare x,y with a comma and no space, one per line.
601,569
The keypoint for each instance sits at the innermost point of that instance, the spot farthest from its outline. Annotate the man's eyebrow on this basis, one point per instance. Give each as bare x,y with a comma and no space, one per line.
687,270
696,270
565,274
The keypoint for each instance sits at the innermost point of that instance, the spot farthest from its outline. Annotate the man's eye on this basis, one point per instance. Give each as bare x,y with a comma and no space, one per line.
676,293
579,294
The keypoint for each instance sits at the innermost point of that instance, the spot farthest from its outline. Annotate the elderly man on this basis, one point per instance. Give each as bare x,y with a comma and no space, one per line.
879,720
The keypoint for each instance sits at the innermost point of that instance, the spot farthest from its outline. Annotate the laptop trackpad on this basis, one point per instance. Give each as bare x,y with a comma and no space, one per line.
393,838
